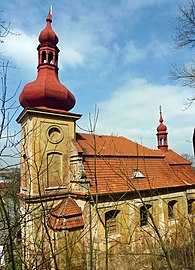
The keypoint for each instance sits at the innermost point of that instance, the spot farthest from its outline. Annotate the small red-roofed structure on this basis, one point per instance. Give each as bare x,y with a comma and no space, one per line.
67,215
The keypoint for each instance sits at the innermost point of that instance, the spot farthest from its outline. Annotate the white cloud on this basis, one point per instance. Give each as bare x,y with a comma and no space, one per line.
131,53
71,57
159,49
21,50
81,46
133,111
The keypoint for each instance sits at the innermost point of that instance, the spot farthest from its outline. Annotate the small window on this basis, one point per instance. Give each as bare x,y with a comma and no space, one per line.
51,58
43,57
138,174
55,134
110,221
144,214
191,206
163,141
171,209
56,59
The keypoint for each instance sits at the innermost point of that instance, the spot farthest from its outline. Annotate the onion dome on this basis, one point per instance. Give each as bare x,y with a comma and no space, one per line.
161,127
47,91
48,35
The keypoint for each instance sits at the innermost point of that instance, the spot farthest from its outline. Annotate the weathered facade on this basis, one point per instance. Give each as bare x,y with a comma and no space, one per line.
89,200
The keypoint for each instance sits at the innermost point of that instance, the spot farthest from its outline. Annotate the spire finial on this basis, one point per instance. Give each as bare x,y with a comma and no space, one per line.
49,16
161,119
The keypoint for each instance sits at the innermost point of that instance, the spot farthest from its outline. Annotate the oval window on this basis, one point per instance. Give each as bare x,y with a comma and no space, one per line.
55,134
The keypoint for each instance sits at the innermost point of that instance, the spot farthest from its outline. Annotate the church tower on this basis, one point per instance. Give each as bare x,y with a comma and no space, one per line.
46,123
162,134
47,133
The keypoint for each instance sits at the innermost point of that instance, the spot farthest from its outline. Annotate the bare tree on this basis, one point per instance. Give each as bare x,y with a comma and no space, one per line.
9,160
185,38
185,28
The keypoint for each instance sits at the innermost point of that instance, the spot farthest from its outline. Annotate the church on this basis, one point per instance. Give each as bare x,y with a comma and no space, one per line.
92,201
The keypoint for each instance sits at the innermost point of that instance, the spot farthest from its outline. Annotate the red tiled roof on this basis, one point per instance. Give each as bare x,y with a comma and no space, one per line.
67,207
185,173
173,158
66,215
77,145
72,223
116,174
117,158
113,146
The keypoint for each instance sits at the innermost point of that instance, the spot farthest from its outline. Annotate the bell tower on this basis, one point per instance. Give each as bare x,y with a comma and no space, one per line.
47,126
162,134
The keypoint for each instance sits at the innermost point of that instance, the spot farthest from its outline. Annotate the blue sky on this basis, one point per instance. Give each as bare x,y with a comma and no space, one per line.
113,53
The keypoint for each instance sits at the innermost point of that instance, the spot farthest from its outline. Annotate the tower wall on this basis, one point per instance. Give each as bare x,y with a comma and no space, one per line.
45,151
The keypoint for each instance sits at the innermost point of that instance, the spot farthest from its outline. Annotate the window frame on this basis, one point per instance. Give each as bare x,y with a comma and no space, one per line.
191,207
110,221
137,174
144,217
171,209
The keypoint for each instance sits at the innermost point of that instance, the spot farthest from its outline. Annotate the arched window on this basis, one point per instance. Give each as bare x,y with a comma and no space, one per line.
54,169
172,209
144,214
51,57
56,59
110,221
43,57
191,206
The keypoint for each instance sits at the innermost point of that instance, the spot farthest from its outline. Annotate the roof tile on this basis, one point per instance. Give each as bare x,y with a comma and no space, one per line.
111,167
67,215
113,146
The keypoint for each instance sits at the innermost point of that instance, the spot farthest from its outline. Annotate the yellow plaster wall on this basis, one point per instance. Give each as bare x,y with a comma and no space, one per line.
140,238
46,164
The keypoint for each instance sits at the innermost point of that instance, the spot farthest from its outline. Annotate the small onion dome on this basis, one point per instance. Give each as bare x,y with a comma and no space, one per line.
48,35
161,127
47,91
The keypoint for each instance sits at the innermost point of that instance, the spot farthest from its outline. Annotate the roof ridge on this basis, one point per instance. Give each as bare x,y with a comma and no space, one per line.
114,145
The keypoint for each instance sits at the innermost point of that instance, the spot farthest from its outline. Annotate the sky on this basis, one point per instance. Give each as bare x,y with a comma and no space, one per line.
116,56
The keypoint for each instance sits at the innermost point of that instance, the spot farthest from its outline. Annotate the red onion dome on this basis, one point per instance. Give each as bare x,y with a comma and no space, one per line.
161,127
48,35
47,91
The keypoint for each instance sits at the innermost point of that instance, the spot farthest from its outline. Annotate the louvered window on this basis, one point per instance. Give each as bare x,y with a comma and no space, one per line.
110,221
